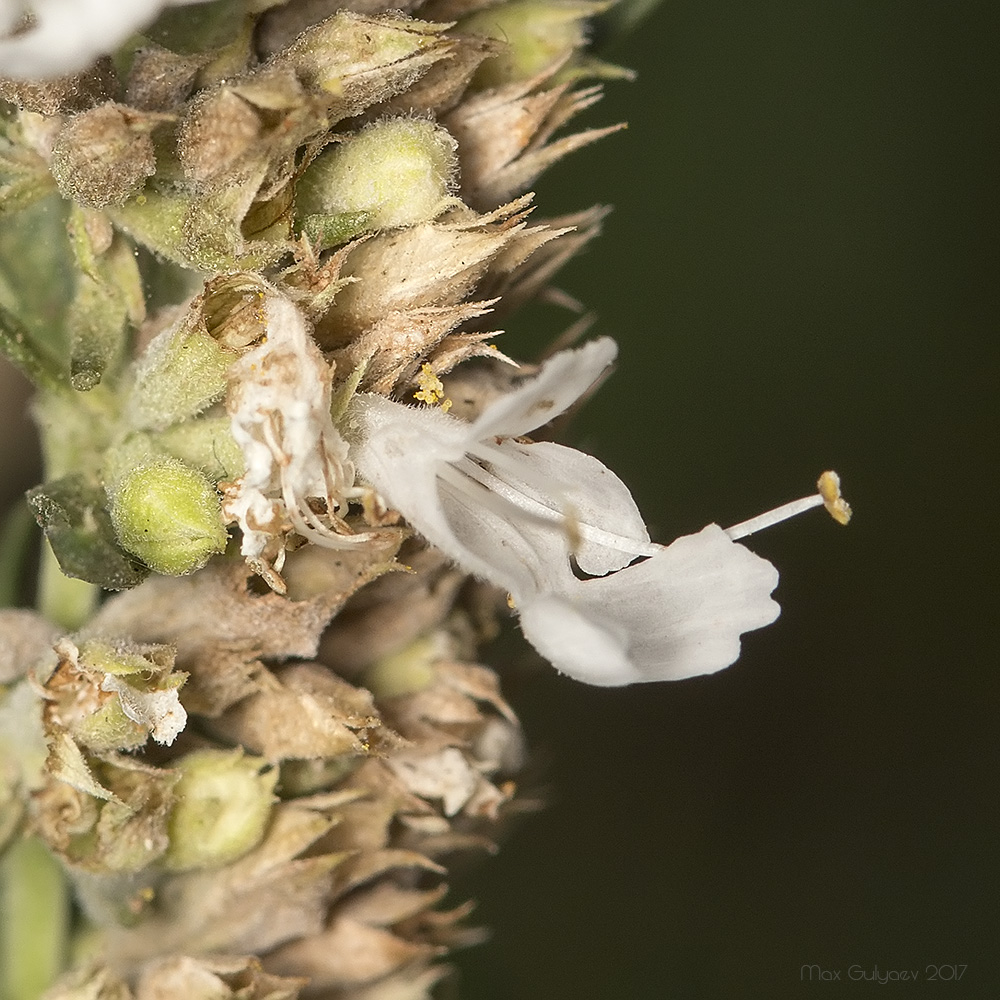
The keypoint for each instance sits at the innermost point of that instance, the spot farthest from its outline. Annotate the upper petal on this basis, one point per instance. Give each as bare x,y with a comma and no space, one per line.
402,451
676,615
589,510
562,380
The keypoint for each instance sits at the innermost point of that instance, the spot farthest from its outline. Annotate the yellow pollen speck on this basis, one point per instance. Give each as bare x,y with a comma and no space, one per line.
431,389
829,489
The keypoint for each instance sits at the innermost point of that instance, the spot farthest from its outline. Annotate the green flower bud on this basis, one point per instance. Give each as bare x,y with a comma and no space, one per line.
206,443
182,372
407,671
223,803
538,34
392,173
168,515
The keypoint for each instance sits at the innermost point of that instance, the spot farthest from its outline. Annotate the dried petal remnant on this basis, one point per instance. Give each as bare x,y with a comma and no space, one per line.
102,157
279,403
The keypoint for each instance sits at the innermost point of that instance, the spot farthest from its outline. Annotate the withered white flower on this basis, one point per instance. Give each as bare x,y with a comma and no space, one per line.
159,711
521,514
65,36
279,407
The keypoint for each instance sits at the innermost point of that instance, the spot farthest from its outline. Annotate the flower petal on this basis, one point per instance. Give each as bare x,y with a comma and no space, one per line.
67,35
512,513
678,614
562,380
589,508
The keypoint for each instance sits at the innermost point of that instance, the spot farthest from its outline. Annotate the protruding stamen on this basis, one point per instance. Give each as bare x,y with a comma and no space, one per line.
828,496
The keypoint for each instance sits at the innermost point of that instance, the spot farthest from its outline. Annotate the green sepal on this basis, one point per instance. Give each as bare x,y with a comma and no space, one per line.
182,373
331,230
24,176
72,512
214,238
75,428
156,220
204,231
206,444
107,301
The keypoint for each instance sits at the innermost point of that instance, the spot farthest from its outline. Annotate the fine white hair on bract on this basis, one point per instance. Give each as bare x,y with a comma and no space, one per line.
66,36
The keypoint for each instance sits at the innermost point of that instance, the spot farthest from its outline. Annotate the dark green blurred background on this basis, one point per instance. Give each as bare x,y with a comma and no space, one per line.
801,271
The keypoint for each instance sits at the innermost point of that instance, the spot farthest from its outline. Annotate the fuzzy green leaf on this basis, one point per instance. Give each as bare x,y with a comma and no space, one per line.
17,344
72,512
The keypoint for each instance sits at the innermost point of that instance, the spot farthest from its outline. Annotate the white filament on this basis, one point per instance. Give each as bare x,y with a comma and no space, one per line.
776,516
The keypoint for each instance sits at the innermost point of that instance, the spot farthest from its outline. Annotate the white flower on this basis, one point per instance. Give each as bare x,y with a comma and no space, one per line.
675,615
66,36
279,407
521,514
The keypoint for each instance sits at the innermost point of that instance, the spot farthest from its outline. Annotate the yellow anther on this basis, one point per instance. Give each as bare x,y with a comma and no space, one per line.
829,489
431,389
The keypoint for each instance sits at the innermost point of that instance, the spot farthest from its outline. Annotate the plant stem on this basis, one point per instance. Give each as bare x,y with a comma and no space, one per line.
63,600
17,532
35,905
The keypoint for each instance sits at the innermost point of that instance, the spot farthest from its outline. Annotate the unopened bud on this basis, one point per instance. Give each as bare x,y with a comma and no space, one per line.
161,80
182,372
223,803
538,34
206,443
358,61
168,515
392,173
406,671
219,132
